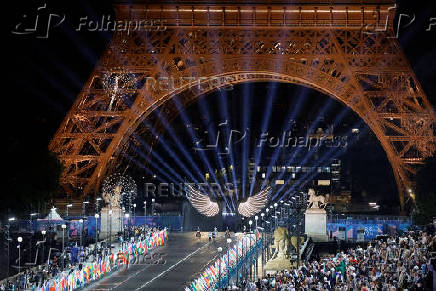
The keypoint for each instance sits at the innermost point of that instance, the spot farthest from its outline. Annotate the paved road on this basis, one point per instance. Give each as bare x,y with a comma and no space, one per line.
168,268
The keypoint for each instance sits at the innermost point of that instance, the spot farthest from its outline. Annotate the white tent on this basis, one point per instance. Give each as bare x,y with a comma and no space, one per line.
53,215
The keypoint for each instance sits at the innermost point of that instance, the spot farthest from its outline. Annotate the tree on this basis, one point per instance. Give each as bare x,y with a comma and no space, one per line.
425,193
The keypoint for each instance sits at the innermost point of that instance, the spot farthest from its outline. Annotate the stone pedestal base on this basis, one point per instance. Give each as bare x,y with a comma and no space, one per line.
278,264
110,223
316,224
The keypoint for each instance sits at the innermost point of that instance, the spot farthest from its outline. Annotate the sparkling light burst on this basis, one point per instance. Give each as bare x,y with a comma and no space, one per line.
116,83
119,189
254,204
202,202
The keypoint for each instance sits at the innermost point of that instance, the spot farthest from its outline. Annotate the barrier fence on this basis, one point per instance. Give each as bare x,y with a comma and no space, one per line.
91,272
218,274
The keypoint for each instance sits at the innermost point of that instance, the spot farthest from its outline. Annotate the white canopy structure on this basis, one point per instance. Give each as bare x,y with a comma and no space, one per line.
53,215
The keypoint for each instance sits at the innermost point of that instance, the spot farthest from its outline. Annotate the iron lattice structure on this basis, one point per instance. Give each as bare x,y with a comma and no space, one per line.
345,49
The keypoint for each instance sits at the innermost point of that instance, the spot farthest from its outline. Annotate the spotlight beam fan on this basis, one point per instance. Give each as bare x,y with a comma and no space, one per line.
254,204
202,202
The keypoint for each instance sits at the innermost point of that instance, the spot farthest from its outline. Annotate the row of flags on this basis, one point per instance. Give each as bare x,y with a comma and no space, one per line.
96,270
212,274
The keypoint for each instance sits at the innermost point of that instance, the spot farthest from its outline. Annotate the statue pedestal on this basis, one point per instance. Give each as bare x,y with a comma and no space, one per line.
316,224
110,223
277,264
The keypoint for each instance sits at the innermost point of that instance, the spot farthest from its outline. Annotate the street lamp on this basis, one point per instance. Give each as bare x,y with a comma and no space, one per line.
64,226
96,234
43,232
229,241
134,214
8,227
275,212
96,226
250,223
255,219
145,213
127,215
97,204
152,211
220,249
20,239
66,209
30,238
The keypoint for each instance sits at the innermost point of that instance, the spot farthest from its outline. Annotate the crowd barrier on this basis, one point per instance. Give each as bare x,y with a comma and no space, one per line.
216,275
91,272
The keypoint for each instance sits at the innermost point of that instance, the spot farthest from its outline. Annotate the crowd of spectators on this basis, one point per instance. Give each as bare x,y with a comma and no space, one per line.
398,263
74,256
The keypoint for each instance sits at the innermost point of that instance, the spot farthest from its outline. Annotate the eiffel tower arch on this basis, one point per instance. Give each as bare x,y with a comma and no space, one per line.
345,49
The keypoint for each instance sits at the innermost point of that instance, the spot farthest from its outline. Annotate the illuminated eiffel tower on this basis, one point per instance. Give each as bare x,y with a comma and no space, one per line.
345,49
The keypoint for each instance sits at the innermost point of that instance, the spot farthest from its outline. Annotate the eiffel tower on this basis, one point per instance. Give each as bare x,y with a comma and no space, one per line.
345,49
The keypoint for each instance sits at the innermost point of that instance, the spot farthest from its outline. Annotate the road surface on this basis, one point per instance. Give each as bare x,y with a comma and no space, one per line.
170,267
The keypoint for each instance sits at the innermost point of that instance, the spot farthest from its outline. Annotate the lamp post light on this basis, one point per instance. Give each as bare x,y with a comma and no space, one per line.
97,216
134,214
220,249
8,226
250,223
43,232
255,219
66,209
152,211
244,266
30,238
229,241
20,240
127,215
64,226
275,212
96,234
84,207
237,257
122,220
267,240
97,203
145,213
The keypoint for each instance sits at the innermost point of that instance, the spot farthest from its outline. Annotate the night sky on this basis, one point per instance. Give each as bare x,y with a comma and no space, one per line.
44,76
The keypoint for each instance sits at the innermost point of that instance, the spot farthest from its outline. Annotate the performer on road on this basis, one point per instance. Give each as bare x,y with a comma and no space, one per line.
198,234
